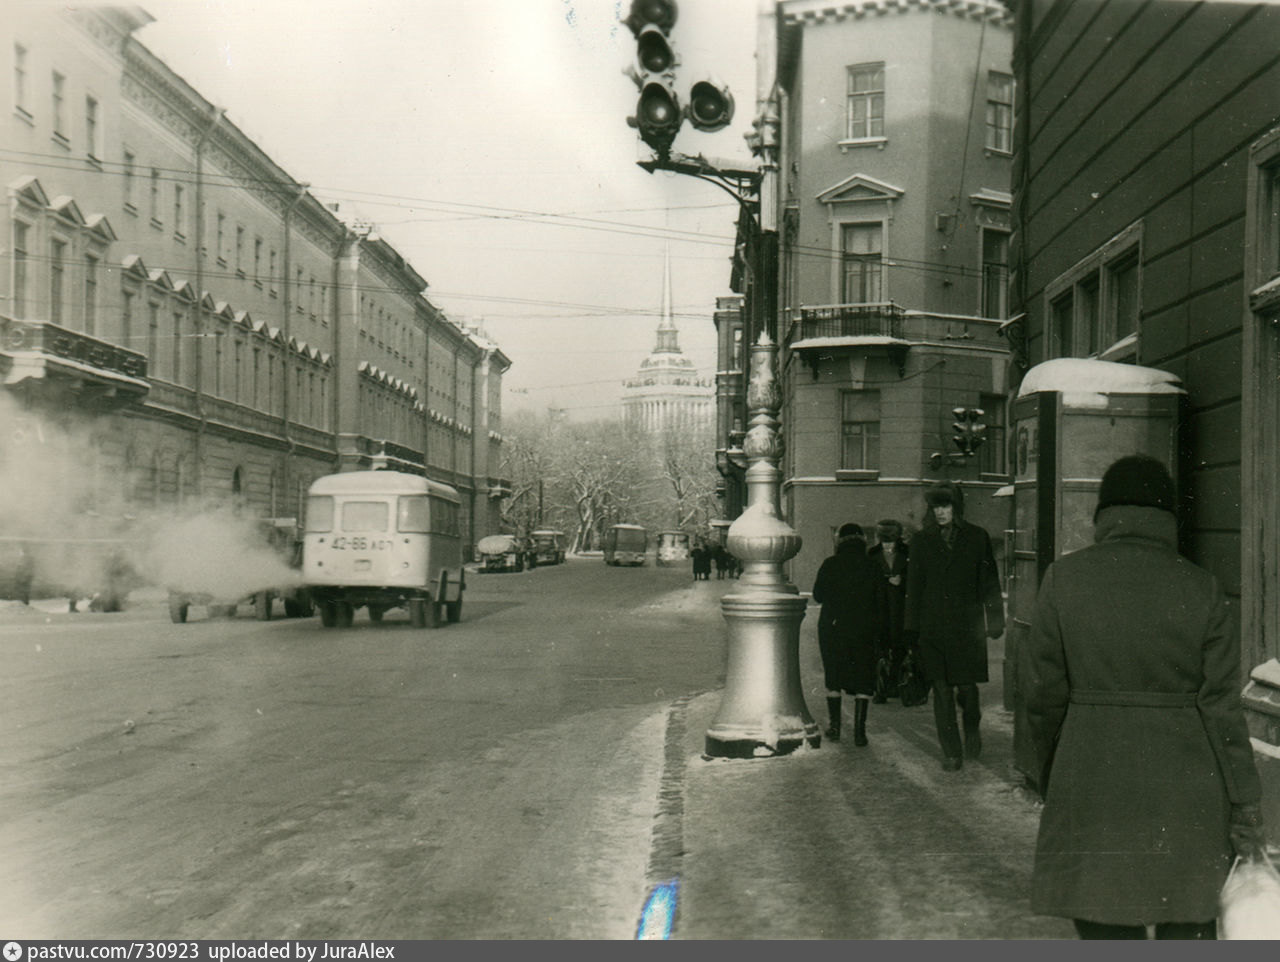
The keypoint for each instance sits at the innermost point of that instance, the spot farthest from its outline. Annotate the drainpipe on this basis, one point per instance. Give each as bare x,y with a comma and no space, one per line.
290,444
201,414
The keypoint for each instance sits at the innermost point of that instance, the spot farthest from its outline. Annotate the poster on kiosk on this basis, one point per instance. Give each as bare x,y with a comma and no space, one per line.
1071,419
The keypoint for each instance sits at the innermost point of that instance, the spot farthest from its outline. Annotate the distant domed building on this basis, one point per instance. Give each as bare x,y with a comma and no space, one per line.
667,392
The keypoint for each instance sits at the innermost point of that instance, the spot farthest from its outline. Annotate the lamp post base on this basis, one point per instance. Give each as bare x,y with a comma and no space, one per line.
762,712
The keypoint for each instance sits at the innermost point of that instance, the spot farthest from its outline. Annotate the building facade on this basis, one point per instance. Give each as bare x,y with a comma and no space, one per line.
1147,230
196,323
893,219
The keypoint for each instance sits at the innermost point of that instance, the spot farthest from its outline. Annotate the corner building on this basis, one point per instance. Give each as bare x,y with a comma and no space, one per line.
895,139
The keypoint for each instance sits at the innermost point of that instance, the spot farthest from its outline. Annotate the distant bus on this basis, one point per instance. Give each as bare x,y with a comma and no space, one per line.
625,544
673,547
383,539
548,546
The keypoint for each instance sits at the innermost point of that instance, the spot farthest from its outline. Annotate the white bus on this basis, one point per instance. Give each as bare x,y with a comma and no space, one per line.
383,539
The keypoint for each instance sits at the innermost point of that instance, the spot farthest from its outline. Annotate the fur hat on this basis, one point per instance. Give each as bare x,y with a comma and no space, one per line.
943,493
1140,480
849,531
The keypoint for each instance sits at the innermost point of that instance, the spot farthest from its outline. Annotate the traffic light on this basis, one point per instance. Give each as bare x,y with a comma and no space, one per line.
710,105
658,115
970,432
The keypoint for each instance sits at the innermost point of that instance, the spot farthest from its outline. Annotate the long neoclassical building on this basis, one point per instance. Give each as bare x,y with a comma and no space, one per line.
187,319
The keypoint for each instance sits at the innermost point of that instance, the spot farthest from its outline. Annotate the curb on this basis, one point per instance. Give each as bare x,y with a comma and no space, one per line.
660,914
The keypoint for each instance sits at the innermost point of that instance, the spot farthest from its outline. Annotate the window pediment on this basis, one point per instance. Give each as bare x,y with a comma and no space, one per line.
859,188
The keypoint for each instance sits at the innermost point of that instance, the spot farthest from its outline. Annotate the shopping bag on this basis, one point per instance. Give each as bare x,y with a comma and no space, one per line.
1249,906
884,679
913,687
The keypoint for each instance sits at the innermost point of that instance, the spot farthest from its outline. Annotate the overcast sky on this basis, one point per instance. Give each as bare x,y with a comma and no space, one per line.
488,141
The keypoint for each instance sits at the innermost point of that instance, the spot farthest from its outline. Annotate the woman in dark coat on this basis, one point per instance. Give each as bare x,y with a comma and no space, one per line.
1131,677
953,606
847,629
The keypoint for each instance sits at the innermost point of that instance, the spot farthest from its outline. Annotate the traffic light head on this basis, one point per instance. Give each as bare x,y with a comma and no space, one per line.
710,105
657,116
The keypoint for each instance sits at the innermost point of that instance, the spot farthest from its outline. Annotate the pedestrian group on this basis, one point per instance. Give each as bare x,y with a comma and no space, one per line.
1131,681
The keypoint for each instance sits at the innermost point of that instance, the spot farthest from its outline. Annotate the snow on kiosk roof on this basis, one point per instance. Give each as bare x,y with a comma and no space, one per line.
381,482
1087,383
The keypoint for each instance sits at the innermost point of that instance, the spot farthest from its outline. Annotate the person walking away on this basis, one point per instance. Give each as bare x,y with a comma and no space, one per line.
698,556
721,556
847,629
953,606
889,559
1131,676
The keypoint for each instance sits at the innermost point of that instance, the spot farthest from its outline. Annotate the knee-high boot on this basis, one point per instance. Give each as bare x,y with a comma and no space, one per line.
833,711
860,706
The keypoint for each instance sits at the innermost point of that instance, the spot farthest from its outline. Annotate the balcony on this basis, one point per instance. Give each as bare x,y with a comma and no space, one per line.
815,331
51,360
845,321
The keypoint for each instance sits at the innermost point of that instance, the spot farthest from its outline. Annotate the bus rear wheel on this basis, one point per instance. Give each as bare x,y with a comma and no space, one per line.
345,614
453,610
328,614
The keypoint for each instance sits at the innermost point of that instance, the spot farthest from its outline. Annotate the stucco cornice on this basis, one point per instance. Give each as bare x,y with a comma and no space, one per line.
804,12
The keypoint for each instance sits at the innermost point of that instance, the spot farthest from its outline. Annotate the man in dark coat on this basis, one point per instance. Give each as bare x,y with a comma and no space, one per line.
1131,676
889,559
953,606
847,629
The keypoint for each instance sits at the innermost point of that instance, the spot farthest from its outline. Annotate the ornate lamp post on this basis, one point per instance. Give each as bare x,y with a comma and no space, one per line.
762,712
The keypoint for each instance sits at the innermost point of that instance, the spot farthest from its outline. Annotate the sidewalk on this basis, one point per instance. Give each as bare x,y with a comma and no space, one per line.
842,842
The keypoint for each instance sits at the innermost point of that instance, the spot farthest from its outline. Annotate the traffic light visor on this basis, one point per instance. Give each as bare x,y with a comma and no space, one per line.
710,105
653,51
661,13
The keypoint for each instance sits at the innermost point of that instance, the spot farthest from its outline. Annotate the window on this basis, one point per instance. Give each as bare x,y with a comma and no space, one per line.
57,277
257,261
319,514
271,272
991,456
239,250
153,335
1269,220
155,197
59,97
129,161
865,102
365,516
20,80
19,269
219,239
179,215
1095,307
126,320
91,145
90,294
176,374
995,274
412,515
861,263
1000,112
860,431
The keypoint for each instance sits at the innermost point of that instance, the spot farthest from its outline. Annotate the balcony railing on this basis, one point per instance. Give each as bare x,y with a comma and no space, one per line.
50,340
846,320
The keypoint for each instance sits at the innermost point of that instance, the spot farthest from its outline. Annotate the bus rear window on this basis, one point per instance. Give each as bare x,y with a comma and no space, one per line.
319,513
365,516
414,516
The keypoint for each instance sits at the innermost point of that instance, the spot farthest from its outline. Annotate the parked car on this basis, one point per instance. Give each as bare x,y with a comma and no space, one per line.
548,547
502,552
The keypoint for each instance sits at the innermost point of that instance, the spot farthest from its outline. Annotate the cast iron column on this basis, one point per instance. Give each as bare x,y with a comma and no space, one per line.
762,712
